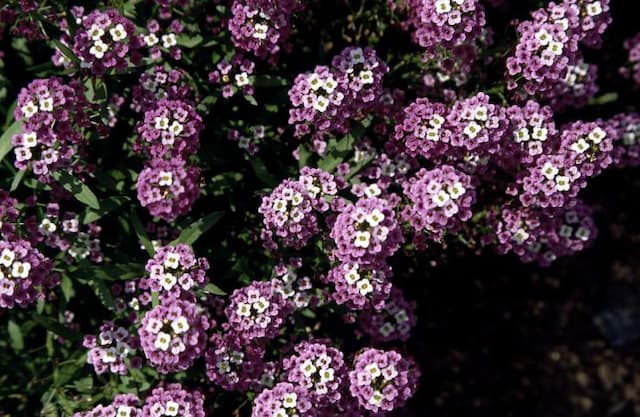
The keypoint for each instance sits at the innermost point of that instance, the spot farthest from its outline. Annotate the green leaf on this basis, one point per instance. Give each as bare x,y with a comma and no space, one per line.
189,41
17,179
15,335
261,172
67,288
304,156
103,293
5,140
251,100
106,206
80,191
56,327
68,53
196,229
213,289
141,233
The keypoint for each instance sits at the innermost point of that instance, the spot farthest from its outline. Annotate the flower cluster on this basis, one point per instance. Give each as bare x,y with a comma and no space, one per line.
234,76
366,232
256,311
173,335
421,130
534,133
111,350
157,41
283,400
157,84
382,380
329,98
234,364
318,369
440,200
175,272
359,287
8,215
626,142
107,41
173,400
53,115
588,145
289,214
632,67
168,188
25,274
171,129
123,405
391,323
262,26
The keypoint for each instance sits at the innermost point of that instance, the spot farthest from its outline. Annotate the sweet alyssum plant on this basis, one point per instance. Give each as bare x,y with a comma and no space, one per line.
206,207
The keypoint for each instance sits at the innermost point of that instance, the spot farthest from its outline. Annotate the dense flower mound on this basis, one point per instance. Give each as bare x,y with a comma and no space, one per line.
262,26
123,405
53,115
360,72
391,323
107,41
382,380
588,145
576,88
25,274
173,335
289,215
632,67
320,185
445,24
111,350
283,400
168,188
233,364
173,400
552,181
174,271
8,215
626,142
317,368
366,232
171,129
422,130
440,200
157,84
359,287
257,311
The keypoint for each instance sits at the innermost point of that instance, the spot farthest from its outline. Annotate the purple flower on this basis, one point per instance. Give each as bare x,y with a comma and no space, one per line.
172,336
123,405
111,349
359,287
157,84
173,400
283,400
234,364
393,322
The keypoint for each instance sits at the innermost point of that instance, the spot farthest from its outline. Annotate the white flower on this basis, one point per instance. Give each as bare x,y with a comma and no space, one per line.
123,411
401,317
171,408
352,276
329,85
443,6
169,40
172,260
109,355
480,113
243,309
296,199
289,400
596,135
157,410
327,375
280,205
280,412
386,329
562,183
540,133
6,257
180,325
176,128
242,79
153,325
260,31
372,190
441,198
20,269
362,239
168,281
98,49
308,368
47,226
46,104
150,39
376,398
374,218
373,370
366,77
594,9
555,47
436,121
261,305
472,130
118,33
549,171
543,37
364,287
161,123
320,104
583,233
357,56
581,146
520,236
29,109
166,178
456,190
314,81
95,32
162,341
565,231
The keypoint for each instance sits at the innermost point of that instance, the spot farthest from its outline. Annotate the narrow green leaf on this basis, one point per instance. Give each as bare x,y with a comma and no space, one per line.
251,100
141,233
106,206
213,289
103,292
17,179
80,191
15,335
56,327
64,49
196,229
262,173
67,288
5,140
189,41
